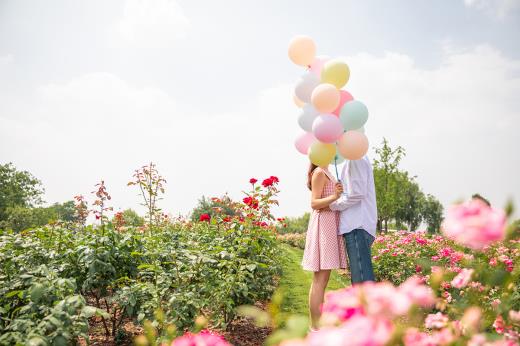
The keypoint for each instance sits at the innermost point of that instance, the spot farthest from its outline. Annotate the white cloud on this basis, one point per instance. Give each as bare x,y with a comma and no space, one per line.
499,8
152,23
6,59
458,122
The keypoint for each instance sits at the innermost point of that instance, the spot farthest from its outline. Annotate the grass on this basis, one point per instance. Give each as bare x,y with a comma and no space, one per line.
295,282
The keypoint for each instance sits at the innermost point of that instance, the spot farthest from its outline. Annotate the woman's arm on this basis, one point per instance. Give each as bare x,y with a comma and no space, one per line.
319,179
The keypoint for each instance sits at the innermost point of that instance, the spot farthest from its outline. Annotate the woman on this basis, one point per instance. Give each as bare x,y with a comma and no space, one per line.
324,249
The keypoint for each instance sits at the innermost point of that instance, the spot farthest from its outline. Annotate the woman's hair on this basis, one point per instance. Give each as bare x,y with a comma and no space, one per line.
312,167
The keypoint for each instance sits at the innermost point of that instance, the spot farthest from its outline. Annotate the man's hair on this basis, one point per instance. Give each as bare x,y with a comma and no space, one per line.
479,197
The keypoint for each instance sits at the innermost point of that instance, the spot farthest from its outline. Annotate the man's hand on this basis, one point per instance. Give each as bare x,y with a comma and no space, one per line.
338,189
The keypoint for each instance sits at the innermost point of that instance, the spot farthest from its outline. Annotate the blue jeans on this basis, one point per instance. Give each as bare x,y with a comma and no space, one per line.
358,243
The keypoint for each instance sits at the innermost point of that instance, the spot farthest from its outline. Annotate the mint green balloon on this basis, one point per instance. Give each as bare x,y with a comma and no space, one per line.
338,159
353,115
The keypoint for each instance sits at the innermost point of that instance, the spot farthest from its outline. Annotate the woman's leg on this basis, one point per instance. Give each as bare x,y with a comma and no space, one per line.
316,295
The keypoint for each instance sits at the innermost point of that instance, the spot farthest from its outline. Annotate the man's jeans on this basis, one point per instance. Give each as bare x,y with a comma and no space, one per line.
358,243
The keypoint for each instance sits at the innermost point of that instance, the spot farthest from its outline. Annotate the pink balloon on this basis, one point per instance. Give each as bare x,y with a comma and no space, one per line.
344,97
327,128
353,145
304,141
318,63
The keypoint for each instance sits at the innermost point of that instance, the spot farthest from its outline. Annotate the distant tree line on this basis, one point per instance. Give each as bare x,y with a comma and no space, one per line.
21,203
400,200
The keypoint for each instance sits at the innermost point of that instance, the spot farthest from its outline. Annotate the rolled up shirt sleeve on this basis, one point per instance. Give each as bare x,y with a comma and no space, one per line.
355,186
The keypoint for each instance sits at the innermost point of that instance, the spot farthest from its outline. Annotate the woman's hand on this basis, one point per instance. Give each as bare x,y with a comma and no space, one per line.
338,190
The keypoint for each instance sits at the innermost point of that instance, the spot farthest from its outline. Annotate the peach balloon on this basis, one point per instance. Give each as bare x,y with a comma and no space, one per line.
325,98
353,145
302,50
299,103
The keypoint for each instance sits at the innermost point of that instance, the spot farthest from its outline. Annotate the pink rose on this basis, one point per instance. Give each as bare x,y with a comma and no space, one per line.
436,321
205,337
462,279
474,224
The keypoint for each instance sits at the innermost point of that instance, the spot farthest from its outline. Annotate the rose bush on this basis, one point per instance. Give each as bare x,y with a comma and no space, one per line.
168,273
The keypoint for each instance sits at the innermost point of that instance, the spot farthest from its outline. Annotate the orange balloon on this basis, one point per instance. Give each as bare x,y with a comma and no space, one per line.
325,98
302,50
299,103
353,145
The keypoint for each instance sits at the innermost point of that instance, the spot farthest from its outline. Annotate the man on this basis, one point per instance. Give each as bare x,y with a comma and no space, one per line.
358,217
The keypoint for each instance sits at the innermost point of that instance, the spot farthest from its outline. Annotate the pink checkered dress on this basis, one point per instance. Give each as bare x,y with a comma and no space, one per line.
324,248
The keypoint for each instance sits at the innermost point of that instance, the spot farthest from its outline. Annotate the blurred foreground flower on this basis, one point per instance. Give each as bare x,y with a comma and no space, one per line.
474,224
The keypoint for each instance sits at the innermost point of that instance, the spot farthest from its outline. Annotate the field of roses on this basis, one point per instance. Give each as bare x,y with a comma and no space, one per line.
57,281
458,288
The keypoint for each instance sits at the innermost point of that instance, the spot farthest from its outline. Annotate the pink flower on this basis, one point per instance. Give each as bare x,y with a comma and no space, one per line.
462,278
514,316
436,321
205,337
474,224
358,331
493,262
499,325
419,293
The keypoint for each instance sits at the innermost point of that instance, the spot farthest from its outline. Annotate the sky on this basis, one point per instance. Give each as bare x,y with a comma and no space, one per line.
92,90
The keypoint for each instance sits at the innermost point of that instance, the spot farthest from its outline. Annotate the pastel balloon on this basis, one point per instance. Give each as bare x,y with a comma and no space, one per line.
299,103
304,141
305,86
302,50
361,129
317,64
325,98
353,115
321,153
307,116
327,128
353,145
335,72
344,97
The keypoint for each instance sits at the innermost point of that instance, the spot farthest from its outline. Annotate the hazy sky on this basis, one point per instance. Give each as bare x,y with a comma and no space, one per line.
91,90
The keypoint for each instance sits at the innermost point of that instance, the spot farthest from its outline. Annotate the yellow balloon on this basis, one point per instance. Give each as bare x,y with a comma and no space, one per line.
335,72
321,153
302,50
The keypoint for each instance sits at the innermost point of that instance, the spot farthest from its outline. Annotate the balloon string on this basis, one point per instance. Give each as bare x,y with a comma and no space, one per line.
336,166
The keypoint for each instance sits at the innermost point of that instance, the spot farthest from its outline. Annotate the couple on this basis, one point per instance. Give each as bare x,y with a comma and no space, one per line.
339,221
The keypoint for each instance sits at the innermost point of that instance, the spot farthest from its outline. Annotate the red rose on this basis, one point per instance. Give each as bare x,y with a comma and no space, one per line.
226,219
204,217
251,202
252,181
267,182
274,179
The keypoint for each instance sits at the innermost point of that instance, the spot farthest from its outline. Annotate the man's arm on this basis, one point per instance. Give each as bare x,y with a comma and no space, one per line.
356,186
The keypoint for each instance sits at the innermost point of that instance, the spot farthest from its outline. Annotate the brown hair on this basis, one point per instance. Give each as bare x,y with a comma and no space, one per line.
312,167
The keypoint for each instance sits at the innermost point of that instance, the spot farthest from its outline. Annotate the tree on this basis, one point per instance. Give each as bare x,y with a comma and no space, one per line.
18,189
64,211
386,182
409,201
432,213
208,206
131,218
296,224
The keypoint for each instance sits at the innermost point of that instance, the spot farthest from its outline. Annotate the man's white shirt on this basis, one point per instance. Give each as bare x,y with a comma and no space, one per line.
357,205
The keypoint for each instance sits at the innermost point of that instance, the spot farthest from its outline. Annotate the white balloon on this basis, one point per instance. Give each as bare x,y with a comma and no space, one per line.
305,86
307,116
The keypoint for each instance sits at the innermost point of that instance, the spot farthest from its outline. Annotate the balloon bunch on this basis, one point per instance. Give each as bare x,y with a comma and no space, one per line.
332,120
